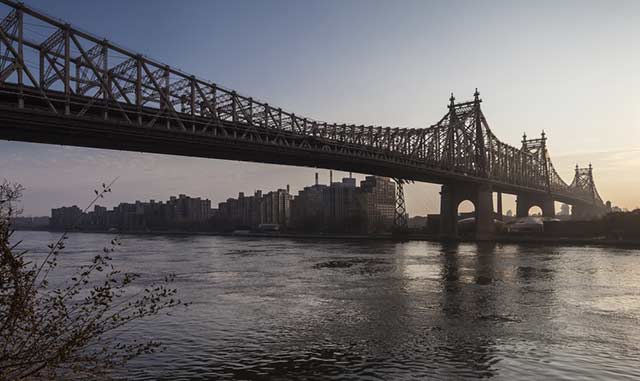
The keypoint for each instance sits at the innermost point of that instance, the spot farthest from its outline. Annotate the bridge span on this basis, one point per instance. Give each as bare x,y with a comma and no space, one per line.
70,87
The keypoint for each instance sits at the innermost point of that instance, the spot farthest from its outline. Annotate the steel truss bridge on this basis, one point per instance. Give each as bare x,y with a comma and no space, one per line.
61,85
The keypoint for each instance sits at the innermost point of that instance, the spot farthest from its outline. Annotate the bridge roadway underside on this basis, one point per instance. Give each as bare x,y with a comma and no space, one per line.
41,127
45,127
32,125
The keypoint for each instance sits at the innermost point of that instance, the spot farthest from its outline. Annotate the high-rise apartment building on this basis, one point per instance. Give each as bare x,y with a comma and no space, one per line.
377,199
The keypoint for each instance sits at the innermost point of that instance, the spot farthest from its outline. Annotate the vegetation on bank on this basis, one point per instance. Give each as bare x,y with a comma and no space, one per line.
622,225
68,331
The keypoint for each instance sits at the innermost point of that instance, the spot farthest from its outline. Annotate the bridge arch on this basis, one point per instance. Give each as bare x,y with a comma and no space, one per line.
466,217
466,197
465,206
535,210
526,203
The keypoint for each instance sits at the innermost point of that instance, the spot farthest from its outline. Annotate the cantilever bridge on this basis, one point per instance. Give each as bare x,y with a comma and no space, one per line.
61,85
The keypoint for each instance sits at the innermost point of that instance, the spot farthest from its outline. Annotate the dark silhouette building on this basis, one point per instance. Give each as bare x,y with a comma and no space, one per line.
308,207
250,212
182,212
342,207
65,218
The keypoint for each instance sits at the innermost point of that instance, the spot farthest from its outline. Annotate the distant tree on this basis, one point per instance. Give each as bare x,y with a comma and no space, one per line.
68,332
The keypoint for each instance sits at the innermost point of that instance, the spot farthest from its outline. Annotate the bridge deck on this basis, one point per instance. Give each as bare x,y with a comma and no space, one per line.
38,125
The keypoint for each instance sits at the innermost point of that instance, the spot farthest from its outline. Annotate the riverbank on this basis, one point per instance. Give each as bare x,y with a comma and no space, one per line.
505,239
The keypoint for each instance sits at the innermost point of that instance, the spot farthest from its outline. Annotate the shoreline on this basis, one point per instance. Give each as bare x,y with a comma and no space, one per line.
502,239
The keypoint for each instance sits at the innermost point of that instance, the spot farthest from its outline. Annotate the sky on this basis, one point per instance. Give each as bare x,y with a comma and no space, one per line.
568,67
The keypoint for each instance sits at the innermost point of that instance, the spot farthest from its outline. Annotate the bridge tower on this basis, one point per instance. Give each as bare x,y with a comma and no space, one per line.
454,193
524,201
583,181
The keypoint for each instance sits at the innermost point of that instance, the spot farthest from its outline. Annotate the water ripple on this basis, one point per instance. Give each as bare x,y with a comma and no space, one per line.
287,309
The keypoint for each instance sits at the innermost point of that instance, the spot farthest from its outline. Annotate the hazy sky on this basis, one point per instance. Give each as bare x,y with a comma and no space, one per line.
568,67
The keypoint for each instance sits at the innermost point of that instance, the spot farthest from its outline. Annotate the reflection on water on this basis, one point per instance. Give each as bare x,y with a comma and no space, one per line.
304,309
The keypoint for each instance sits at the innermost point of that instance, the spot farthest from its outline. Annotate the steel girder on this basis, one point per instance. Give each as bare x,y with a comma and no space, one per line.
83,76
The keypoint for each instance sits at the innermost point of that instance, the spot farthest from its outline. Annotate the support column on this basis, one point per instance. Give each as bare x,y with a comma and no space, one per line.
484,213
548,208
499,205
522,206
448,213
577,212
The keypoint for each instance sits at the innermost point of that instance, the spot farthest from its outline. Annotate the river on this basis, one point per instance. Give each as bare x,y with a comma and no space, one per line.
374,310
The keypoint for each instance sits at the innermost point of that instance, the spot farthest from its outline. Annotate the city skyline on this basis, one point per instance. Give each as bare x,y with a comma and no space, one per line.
544,91
340,207
113,202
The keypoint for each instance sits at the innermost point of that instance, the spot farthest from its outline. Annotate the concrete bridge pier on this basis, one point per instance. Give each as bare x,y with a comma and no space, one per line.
579,212
451,195
524,202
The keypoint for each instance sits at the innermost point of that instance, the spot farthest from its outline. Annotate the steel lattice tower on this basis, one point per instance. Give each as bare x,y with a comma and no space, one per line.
400,221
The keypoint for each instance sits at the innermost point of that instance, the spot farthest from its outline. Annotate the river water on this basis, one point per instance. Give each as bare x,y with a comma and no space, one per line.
331,309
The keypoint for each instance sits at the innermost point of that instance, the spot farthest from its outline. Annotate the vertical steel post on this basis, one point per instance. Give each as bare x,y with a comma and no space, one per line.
479,143
20,59
450,145
139,88
544,156
77,62
41,66
166,97
105,79
192,82
67,68
214,100
234,97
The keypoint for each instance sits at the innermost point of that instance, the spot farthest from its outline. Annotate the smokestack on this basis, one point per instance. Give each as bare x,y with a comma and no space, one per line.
330,177
316,178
